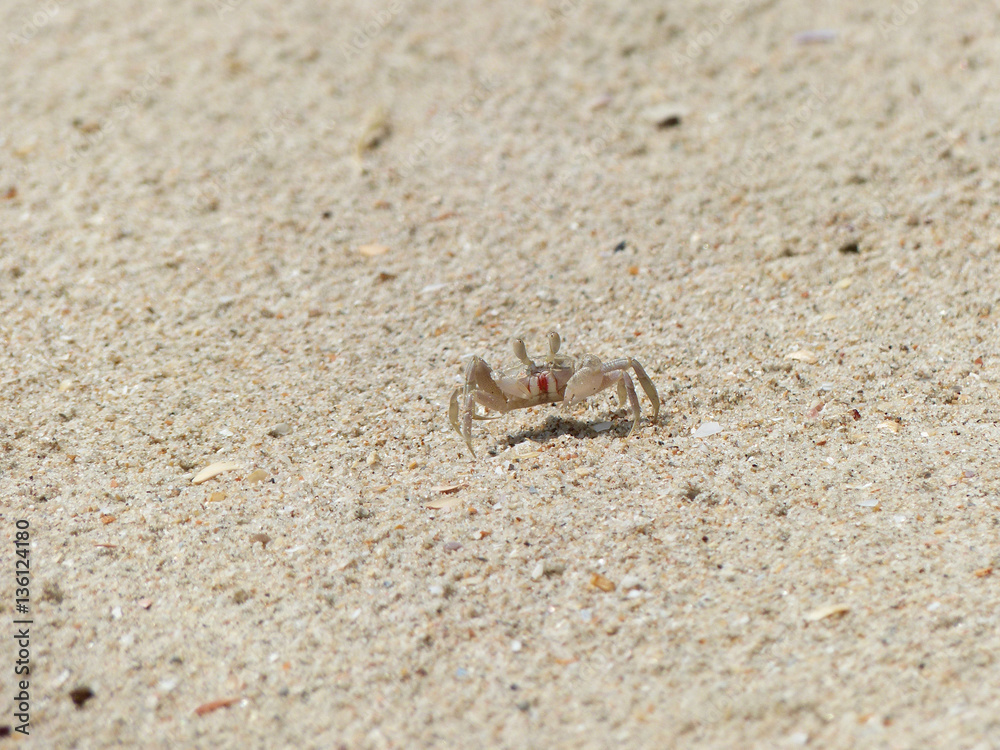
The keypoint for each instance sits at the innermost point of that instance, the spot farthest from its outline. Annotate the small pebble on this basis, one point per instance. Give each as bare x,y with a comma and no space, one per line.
817,36
553,568
280,430
665,115
80,695
630,582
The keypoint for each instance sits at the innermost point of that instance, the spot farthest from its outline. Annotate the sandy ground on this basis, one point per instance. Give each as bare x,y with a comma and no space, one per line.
272,233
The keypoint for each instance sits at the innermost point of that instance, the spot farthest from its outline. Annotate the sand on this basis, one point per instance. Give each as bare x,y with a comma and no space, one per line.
270,235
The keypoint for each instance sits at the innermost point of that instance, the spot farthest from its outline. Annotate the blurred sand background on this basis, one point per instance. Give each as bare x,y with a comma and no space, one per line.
272,233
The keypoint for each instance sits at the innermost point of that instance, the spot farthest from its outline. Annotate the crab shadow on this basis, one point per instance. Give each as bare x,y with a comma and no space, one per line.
556,426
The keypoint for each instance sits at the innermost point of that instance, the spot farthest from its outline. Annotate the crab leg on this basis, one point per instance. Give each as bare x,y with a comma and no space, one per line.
626,363
633,400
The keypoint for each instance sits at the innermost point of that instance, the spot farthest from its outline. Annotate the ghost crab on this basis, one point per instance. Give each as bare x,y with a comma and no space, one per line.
558,378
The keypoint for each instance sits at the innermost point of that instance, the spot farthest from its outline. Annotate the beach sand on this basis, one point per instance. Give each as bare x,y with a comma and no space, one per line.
271,234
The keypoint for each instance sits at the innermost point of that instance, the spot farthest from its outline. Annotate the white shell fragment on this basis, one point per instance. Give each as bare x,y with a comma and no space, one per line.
707,430
803,355
829,611
213,470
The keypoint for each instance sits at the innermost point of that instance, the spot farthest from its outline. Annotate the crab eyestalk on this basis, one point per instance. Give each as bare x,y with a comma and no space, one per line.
554,342
522,353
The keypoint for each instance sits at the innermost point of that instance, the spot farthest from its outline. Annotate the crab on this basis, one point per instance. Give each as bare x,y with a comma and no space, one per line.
557,378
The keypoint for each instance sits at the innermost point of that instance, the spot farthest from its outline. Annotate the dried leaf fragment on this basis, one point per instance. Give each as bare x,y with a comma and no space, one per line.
830,610
256,476
803,355
213,470
207,708
602,582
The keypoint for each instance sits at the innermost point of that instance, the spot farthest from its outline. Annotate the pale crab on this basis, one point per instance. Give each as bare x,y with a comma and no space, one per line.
558,378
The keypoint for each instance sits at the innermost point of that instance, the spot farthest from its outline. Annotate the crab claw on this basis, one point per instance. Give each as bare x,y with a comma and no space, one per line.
587,381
